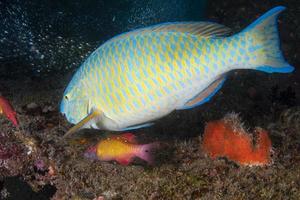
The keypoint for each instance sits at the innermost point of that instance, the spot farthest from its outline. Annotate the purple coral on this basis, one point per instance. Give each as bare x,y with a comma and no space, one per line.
40,165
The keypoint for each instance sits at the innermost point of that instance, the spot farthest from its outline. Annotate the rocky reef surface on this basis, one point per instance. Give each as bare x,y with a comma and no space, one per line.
37,163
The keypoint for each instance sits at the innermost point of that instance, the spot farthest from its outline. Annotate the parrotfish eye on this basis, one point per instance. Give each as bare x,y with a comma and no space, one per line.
66,97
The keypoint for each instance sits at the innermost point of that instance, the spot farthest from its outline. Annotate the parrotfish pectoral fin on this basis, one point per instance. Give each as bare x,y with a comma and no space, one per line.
205,95
96,114
264,48
137,127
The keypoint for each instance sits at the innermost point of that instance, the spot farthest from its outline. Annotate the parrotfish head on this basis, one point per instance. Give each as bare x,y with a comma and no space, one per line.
75,104
90,153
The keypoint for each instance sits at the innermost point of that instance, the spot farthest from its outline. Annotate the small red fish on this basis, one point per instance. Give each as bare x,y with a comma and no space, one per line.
122,148
7,110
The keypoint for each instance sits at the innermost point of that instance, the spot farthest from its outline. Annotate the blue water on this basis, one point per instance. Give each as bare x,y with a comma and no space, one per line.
41,37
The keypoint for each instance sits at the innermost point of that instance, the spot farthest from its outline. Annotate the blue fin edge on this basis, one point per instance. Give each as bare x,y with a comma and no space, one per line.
264,16
137,127
206,99
269,69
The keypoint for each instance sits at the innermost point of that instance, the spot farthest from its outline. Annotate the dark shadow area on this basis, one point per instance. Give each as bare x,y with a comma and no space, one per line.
14,188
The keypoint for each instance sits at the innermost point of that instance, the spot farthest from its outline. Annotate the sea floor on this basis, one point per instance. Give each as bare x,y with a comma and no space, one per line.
43,165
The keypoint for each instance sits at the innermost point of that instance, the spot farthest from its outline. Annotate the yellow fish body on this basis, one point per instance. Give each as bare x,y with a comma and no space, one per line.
122,148
140,76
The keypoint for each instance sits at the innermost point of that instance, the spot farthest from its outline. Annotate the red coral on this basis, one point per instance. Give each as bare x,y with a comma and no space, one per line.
227,138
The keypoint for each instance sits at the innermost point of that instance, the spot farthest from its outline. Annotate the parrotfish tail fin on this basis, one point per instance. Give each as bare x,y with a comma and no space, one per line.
145,152
263,45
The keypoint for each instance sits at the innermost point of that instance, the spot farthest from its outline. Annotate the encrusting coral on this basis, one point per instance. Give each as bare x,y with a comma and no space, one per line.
227,138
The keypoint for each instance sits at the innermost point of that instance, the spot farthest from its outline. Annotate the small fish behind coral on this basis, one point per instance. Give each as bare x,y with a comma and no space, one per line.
7,110
122,148
227,138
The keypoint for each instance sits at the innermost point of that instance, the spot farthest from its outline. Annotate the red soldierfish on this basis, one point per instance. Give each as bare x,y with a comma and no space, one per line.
7,110
122,148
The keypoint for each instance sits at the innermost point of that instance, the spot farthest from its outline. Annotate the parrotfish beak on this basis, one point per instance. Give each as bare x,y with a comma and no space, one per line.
90,153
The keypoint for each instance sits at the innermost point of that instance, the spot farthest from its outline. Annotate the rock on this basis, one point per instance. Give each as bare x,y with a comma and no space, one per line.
252,93
50,125
32,106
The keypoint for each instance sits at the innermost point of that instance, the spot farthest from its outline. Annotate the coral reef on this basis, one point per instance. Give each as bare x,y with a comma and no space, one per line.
12,156
290,118
182,170
48,164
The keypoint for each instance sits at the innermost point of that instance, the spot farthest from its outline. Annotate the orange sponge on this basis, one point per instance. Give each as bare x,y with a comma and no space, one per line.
227,138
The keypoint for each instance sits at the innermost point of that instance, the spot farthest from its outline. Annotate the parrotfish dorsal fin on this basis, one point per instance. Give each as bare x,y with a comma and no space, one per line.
205,95
203,29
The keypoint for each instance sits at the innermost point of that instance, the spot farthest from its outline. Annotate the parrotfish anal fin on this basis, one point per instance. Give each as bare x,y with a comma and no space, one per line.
205,95
203,29
137,126
124,161
84,123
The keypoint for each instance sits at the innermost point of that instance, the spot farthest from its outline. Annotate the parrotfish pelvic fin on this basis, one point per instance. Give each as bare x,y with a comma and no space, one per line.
205,95
92,117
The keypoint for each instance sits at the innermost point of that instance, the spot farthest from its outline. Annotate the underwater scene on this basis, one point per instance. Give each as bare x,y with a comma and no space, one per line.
137,99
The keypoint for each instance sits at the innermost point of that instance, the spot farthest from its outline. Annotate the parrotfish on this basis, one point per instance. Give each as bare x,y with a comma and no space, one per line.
122,148
140,76
7,110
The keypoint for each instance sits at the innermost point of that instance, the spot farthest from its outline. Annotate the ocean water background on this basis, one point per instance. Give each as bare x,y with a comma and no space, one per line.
42,37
